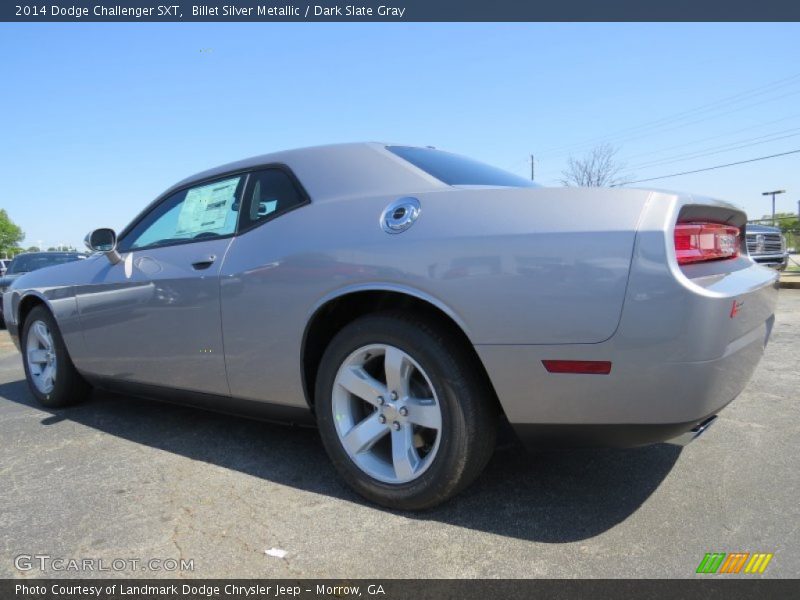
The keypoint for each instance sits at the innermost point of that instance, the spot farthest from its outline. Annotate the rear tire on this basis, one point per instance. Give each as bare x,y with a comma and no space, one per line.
51,376
419,447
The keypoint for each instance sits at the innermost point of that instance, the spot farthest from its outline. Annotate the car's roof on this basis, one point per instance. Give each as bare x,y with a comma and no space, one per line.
336,170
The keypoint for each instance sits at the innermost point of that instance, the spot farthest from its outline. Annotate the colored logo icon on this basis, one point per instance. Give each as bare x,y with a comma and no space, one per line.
734,563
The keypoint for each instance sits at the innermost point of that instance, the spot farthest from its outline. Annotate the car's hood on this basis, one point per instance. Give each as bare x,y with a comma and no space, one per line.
762,229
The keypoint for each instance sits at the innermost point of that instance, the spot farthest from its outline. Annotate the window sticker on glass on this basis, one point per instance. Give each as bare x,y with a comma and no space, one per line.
207,208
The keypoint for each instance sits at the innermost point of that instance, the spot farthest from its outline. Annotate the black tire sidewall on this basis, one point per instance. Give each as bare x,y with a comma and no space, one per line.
451,381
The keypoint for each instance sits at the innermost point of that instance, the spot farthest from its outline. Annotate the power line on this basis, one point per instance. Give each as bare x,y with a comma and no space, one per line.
662,129
737,145
733,164
705,108
707,139
760,90
777,217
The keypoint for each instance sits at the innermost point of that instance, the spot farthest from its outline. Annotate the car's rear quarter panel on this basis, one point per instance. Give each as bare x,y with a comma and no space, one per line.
510,266
677,356
526,266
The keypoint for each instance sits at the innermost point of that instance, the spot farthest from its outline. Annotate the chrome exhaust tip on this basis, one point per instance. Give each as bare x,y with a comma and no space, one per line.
694,433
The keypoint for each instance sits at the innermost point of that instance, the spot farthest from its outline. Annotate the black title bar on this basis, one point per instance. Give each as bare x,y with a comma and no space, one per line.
401,10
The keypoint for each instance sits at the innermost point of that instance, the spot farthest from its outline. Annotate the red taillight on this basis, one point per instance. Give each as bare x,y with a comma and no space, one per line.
698,242
587,367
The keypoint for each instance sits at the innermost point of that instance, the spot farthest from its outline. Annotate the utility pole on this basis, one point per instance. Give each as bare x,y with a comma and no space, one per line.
773,194
533,168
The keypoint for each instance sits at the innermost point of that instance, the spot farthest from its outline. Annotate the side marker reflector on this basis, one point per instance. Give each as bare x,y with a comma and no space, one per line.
586,367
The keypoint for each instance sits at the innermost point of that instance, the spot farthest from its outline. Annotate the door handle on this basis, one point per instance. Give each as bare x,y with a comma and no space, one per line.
204,263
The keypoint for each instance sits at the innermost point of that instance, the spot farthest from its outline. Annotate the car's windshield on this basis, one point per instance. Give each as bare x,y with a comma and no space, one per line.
25,263
453,169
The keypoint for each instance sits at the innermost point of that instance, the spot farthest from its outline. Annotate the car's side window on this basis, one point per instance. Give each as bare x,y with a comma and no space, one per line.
269,193
204,211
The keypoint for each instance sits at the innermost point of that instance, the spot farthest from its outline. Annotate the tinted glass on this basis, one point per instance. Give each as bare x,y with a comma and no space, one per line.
25,263
201,212
453,169
270,193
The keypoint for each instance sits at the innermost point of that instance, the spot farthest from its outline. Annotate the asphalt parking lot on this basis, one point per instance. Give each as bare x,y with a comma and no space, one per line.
119,477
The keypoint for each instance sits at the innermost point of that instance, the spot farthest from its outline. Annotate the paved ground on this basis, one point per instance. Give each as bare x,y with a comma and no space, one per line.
124,478
790,278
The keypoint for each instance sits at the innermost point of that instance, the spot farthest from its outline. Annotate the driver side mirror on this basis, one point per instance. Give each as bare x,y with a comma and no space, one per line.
104,240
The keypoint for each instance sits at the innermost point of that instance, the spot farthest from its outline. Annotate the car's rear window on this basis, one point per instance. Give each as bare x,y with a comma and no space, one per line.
453,169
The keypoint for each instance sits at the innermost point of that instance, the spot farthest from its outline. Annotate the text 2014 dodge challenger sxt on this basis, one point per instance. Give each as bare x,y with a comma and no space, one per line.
403,298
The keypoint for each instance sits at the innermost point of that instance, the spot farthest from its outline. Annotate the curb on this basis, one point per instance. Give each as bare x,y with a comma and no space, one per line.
791,282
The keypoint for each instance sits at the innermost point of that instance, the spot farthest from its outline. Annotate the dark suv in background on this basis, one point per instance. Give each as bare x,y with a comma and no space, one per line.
767,246
32,261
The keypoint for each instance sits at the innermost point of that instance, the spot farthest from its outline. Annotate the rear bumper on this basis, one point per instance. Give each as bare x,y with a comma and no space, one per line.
772,260
688,342
637,403
610,436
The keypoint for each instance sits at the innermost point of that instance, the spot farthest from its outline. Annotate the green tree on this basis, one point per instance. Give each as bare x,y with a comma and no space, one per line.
10,233
785,220
33,249
789,224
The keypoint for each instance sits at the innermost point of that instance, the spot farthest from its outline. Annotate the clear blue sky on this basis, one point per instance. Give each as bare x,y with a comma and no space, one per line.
97,119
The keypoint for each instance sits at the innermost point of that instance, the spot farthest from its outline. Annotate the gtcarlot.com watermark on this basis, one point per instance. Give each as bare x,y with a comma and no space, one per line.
57,564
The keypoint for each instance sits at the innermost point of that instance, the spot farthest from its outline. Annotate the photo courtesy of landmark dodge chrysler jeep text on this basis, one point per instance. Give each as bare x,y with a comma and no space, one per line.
404,299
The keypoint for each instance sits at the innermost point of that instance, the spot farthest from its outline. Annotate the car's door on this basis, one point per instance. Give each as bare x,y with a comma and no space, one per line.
154,318
259,289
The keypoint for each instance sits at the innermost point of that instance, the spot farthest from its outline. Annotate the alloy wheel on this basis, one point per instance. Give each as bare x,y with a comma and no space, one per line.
40,352
386,412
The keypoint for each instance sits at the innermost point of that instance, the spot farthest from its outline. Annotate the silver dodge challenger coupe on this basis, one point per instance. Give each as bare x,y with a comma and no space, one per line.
404,299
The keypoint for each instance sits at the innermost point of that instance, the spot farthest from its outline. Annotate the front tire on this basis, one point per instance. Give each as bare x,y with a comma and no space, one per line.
405,412
51,376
